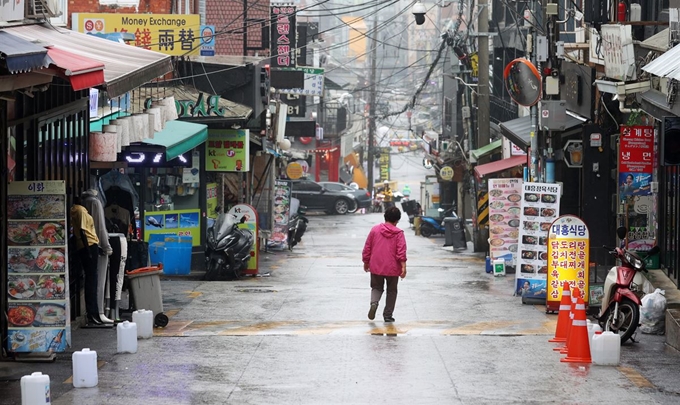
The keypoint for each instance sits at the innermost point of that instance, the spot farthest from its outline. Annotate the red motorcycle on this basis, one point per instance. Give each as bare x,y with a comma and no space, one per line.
620,312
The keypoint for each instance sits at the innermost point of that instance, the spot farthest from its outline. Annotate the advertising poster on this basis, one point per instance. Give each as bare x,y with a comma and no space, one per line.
207,40
636,165
227,150
540,206
37,268
250,223
568,248
504,209
171,34
178,222
282,194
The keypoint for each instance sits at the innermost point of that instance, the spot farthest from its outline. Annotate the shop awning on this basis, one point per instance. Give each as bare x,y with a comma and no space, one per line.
82,72
179,137
500,165
657,42
125,67
20,55
666,65
519,130
486,150
655,103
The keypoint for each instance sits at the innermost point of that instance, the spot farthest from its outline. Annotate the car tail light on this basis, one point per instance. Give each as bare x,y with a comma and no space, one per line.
368,194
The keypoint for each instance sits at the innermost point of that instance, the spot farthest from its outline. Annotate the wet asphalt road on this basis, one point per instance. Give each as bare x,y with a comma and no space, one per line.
301,336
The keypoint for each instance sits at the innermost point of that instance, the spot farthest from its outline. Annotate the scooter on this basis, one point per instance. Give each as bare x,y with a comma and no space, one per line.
432,226
297,225
620,312
228,249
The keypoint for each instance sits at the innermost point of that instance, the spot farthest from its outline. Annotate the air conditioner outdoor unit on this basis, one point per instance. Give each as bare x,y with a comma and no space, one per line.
42,9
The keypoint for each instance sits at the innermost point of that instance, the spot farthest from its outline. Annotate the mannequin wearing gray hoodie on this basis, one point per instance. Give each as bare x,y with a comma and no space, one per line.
90,200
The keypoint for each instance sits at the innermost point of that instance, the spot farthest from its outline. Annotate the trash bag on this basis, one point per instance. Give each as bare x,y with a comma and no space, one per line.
653,313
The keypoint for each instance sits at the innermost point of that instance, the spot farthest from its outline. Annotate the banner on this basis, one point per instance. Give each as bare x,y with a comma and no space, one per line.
177,222
171,34
38,312
504,209
227,150
540,206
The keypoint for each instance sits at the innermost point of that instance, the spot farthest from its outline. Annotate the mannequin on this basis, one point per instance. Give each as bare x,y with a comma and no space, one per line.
117,271
87,251
95,208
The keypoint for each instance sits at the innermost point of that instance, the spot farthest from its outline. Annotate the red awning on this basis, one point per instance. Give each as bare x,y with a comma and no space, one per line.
500,165
82,72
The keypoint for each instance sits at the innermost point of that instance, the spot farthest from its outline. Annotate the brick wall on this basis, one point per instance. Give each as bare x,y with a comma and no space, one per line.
227,17
92,6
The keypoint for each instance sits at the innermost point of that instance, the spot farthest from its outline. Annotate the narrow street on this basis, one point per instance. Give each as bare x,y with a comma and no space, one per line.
302,336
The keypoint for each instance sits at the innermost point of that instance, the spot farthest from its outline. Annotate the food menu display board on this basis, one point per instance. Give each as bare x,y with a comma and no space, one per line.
504,208
247,218
282,194
568,248
540,206
37,279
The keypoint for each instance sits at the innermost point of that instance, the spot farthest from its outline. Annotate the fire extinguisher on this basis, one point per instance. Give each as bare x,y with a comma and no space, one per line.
621,11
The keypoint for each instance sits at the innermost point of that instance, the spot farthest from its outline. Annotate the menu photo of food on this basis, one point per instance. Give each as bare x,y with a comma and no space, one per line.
37,340
36,260
36,207
504,210
45,287
36,233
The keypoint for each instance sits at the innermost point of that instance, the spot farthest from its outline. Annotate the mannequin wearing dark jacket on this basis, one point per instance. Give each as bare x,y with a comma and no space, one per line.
87,245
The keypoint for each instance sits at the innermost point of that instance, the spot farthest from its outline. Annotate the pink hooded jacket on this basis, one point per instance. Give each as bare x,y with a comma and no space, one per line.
385,249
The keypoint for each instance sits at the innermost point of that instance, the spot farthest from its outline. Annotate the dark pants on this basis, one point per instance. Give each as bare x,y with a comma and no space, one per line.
377,288
88,259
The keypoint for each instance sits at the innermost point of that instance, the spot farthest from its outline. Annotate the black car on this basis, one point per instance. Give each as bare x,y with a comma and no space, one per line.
318,198
362,196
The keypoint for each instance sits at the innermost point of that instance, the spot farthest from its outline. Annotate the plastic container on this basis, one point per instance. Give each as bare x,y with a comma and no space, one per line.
145,286
593,328
126,333
35,389
174,252
143,318
85,369
606,350
499,267
489,269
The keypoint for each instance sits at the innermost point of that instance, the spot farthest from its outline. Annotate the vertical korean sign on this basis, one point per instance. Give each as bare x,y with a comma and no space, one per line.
37,281
568,247
282,194
540,207
504,209
227,150
283,35
636,165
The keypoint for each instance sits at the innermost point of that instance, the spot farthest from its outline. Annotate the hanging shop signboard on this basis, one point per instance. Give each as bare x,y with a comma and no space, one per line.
504,209
227,150
540,206
283,35
568,249
176,222
37,262
171,34
248,215
282,195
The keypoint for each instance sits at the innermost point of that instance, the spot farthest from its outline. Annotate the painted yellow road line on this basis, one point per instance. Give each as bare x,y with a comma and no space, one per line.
636,378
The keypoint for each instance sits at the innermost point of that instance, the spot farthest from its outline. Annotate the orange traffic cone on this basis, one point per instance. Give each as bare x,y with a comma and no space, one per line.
575,294
579,348
563,316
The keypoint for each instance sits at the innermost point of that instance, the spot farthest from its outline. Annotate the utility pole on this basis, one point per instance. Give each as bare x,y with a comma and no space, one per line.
535,130
371,106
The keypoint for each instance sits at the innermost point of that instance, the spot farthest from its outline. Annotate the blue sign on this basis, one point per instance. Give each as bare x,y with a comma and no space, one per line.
207,40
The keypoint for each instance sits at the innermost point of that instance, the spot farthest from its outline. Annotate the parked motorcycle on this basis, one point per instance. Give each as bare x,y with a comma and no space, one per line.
297,224
432,226
620,312
411,208
228,249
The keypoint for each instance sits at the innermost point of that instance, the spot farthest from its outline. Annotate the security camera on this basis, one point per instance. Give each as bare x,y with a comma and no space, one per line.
419,11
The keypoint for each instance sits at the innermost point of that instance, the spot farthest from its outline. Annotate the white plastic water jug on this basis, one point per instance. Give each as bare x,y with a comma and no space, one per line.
35,389
499,267
593,328
85,369
606,349
127,337
144,320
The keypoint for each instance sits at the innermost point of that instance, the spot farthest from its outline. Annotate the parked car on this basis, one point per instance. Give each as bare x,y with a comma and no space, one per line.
362,195
318,198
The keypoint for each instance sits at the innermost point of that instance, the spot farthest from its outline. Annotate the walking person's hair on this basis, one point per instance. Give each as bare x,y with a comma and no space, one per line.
392,214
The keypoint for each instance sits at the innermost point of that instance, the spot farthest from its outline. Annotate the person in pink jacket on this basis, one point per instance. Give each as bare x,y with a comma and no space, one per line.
384,255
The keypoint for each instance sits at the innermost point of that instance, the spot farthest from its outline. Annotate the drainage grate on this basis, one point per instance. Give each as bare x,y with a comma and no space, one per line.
255,290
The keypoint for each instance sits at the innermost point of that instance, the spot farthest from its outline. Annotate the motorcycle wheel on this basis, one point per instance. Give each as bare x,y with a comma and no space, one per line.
627,322
426,230
213,270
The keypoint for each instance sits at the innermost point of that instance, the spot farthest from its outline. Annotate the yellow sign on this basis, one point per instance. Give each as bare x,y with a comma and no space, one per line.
294,170
446,173
211,200
568,248
474,64
171,34
227,150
